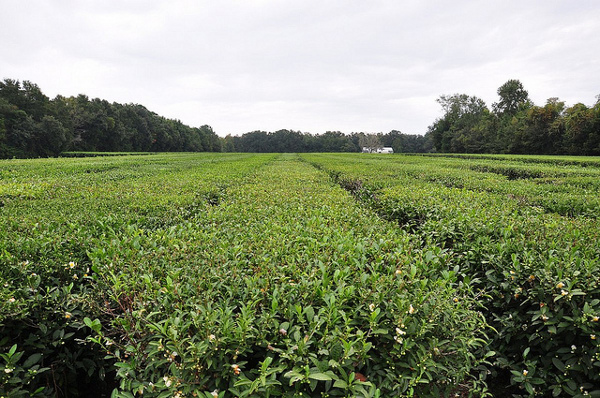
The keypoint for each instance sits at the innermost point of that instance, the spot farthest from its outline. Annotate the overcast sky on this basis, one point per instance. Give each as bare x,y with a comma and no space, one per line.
308,65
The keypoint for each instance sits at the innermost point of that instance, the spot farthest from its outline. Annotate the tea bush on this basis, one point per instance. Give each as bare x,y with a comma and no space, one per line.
283,275
53,210
287,288
538,271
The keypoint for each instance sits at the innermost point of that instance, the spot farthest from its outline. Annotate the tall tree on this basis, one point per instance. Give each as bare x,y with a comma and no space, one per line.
33,125
512,97
462,114
50,138
370,142
543,129
286,141
25,96
582,130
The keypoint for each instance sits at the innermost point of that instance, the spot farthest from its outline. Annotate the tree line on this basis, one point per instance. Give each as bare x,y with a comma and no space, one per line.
516,125
331,141
33,125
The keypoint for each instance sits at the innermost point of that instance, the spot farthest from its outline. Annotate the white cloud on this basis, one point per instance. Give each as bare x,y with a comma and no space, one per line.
312,66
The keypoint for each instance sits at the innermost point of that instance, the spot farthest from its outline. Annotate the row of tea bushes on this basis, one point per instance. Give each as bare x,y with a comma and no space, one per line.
287,288
538,273
220,275
583,161
54,214
570,190
254,275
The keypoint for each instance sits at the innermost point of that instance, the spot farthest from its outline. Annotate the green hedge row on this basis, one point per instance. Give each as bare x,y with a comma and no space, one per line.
538,272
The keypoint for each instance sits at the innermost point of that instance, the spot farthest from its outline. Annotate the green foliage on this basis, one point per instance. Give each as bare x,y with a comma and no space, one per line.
515,125
513,97
279,275
32,125
232,274
523,233
292,141
462,114
331,141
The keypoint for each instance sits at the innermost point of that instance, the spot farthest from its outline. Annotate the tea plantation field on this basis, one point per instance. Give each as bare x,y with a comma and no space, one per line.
287,275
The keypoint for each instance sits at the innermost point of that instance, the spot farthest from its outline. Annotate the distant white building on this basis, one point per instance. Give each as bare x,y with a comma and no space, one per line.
385,149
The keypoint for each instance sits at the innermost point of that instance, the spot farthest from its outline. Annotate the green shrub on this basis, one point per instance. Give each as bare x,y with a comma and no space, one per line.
537,271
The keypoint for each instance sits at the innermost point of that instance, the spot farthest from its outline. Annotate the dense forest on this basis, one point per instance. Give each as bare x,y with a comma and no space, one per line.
516,125
33,125
331,141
